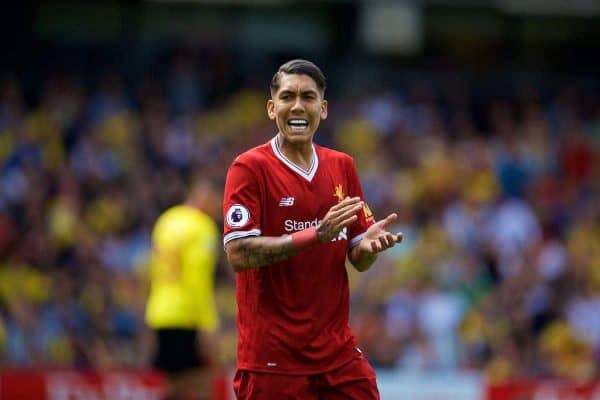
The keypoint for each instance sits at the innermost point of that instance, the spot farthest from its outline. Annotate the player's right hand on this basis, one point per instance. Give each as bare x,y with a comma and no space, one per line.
338,217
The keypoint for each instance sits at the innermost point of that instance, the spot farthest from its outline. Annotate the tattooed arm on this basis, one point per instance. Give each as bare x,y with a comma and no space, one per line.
258,251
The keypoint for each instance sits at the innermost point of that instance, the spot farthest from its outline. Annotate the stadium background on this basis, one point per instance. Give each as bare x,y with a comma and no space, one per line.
479,121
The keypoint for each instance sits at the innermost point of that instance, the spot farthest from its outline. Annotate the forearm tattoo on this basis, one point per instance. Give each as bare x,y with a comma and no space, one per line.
257,251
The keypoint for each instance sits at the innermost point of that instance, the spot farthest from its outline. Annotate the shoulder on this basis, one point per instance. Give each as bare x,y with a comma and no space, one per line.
206,222
328,154
176,215
183,217
169,224
171,213
255,156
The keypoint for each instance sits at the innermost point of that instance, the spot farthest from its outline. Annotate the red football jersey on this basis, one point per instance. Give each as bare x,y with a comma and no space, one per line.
293,315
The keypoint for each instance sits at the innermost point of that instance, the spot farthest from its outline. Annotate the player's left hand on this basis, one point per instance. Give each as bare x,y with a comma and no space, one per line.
377,238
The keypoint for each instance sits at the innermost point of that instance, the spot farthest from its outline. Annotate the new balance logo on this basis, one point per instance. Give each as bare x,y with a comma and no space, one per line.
286,202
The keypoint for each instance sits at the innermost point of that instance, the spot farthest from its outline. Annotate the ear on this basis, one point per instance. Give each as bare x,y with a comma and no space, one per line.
324,109
271,109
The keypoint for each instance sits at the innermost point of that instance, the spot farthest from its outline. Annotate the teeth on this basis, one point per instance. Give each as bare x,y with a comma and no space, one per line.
302,122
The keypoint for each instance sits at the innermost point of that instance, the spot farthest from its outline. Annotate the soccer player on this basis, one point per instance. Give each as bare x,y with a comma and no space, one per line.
293,214
181,307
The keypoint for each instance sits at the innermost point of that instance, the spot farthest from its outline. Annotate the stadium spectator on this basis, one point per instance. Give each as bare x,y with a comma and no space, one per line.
86,169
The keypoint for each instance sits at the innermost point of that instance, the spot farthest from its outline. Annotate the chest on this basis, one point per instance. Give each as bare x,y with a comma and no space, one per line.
293,203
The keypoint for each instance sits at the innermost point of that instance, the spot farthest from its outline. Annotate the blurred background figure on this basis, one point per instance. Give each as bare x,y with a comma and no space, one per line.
181,308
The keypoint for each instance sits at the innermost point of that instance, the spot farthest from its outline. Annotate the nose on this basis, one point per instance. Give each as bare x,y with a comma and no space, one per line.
297,106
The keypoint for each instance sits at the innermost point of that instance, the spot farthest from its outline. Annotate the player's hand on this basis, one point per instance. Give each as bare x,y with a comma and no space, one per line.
338,217
377,238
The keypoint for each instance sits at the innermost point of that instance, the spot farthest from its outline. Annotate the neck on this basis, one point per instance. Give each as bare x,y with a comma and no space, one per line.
300,154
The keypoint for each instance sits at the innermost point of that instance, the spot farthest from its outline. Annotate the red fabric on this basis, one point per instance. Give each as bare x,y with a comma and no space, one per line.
353,380
293,315
578,160
70,383
543,389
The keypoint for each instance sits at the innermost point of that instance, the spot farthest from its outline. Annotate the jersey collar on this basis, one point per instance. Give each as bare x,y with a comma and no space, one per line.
306,174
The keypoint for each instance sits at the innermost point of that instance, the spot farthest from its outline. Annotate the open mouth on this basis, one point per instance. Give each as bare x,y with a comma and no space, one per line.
298,124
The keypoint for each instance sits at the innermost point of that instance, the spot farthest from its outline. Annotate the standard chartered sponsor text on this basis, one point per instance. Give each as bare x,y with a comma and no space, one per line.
291,225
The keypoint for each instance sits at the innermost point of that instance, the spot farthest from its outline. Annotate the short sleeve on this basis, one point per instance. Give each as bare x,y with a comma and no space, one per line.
365,217
241,203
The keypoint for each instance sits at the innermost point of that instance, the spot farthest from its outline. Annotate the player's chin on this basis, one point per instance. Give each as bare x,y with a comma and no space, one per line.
299,136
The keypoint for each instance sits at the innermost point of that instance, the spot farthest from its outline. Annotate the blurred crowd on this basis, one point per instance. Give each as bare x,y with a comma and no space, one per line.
498,197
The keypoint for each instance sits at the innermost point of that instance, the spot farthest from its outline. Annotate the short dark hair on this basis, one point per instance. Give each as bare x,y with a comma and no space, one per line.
299,67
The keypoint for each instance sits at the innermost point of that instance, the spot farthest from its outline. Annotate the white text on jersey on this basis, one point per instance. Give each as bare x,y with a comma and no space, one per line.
291,225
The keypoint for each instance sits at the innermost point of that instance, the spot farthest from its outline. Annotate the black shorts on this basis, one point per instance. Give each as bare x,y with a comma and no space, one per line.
177,350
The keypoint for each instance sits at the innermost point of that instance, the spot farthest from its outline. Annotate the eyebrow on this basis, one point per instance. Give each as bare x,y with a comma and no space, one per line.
308,91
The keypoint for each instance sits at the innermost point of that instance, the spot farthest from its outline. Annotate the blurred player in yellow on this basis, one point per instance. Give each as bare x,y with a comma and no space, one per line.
181,307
